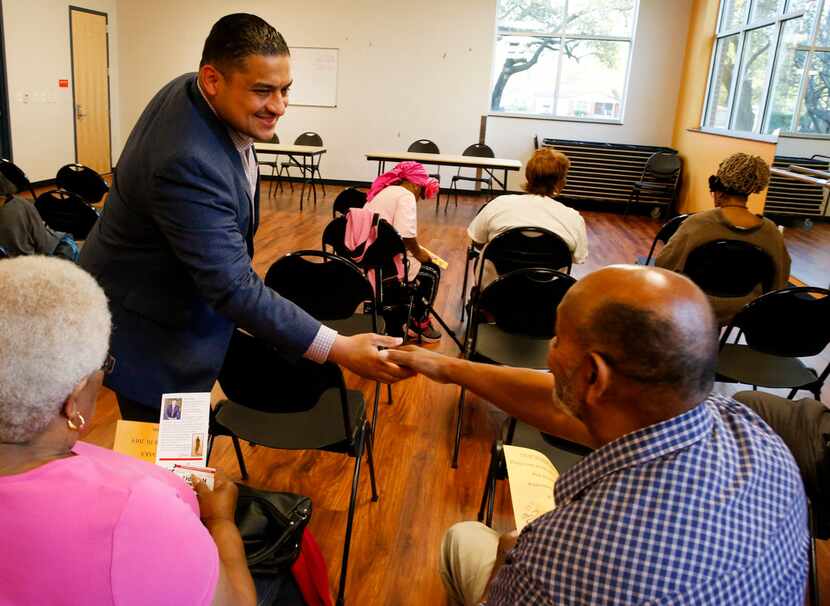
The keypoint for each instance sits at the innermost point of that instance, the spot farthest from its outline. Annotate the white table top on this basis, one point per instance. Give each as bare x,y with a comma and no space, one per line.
446,160
285,148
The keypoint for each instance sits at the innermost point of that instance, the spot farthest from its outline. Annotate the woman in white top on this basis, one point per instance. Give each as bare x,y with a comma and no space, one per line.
546,172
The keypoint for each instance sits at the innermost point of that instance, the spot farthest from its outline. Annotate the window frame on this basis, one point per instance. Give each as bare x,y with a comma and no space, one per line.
743,30
563,37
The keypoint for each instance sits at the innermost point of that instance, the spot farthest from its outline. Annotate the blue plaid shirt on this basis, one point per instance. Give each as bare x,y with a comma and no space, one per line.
705,508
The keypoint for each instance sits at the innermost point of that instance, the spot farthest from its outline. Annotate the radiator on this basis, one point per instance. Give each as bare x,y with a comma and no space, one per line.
603,172
791,197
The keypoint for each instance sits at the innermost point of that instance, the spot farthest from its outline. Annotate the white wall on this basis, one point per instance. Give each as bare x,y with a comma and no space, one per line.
406,70
653,87
802,148
37,56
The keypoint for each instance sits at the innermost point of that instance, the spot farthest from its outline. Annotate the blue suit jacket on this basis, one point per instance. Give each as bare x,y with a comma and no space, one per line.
173,252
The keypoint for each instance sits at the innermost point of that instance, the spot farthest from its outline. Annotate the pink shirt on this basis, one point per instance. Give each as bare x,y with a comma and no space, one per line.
103,528
398,207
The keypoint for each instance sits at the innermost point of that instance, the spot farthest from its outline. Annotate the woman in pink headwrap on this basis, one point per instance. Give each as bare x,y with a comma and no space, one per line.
394,196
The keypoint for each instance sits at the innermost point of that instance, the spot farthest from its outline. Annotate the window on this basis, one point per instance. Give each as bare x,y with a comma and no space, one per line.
563,58
771,68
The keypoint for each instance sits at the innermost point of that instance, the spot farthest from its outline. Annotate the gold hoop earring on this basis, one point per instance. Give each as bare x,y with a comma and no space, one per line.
74,425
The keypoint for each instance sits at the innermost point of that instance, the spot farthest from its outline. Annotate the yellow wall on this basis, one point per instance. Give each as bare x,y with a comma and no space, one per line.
702,152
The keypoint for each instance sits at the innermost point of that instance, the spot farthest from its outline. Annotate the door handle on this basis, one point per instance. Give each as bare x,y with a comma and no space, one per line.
79,112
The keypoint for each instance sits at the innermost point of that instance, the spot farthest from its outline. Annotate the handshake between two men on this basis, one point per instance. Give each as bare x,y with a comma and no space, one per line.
632,368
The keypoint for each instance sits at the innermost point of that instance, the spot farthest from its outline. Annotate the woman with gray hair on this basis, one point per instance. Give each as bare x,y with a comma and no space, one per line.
82,524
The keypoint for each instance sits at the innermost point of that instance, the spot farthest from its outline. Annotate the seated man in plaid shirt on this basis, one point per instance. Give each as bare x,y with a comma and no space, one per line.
689,498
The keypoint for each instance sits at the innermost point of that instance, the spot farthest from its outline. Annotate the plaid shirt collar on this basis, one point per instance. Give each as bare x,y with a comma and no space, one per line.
240,142
636,448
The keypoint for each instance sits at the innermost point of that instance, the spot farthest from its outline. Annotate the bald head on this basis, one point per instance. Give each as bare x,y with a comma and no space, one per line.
654,327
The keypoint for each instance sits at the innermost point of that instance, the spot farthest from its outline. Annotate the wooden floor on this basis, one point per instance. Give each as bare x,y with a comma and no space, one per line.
396,540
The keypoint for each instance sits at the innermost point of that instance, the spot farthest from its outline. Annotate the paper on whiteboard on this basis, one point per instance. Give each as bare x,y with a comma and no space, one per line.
531,476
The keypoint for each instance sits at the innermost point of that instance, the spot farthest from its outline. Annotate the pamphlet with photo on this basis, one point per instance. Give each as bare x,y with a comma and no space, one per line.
183,430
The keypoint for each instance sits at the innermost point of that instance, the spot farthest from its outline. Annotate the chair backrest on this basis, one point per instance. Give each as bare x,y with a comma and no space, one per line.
730,268
479,150
66,211
791,322
82,181
275,138
663,165
3,253
423,146
326,286
256,375
16,176
347,199
521,247
380,255
524,301
309,138
665,233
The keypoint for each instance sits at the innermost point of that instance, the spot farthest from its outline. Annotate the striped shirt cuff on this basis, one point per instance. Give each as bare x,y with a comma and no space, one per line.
320,347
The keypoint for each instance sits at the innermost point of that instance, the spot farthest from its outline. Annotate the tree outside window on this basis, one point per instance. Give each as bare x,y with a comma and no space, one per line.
563,58
771,67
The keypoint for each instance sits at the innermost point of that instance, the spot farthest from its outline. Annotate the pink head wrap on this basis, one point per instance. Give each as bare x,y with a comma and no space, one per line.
414,172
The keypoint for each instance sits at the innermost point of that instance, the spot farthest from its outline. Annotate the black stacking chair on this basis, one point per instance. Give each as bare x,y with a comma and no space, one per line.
778,328
730,268
346,200
659,182
665,233
512,321
292,405
308,169
517,248
66,211
331,289
564,454
82,181
477,150
269,160
425,146
18,178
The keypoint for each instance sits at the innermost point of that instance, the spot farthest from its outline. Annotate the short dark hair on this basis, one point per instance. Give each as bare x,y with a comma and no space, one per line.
653,350
237,36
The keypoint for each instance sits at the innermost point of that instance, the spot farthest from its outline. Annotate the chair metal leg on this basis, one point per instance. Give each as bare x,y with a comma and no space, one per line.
389,393
371,460
485,497
239,458
458,426
375,408
464,285
344,564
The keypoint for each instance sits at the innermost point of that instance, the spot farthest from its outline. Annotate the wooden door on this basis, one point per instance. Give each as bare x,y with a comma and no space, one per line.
90,89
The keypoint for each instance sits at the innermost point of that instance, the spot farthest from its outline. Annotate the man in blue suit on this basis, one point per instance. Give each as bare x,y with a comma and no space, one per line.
173,247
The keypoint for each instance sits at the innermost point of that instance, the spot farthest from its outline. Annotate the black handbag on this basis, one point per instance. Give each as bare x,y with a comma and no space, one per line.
271,525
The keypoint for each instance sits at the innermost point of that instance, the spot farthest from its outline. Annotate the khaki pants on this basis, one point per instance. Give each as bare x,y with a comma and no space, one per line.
468,553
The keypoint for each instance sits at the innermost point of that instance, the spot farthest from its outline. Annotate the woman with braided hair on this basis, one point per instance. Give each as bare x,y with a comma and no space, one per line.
738,176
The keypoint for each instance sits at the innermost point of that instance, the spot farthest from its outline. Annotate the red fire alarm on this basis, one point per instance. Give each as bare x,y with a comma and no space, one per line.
63,83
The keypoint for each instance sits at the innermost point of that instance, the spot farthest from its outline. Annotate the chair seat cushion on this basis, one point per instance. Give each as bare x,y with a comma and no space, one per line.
511,349
743,364
320,428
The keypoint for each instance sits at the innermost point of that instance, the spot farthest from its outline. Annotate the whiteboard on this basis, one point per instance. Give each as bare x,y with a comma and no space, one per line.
315,76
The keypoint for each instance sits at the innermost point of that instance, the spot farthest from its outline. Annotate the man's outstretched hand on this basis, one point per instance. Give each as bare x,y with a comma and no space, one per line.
360,354
432,365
